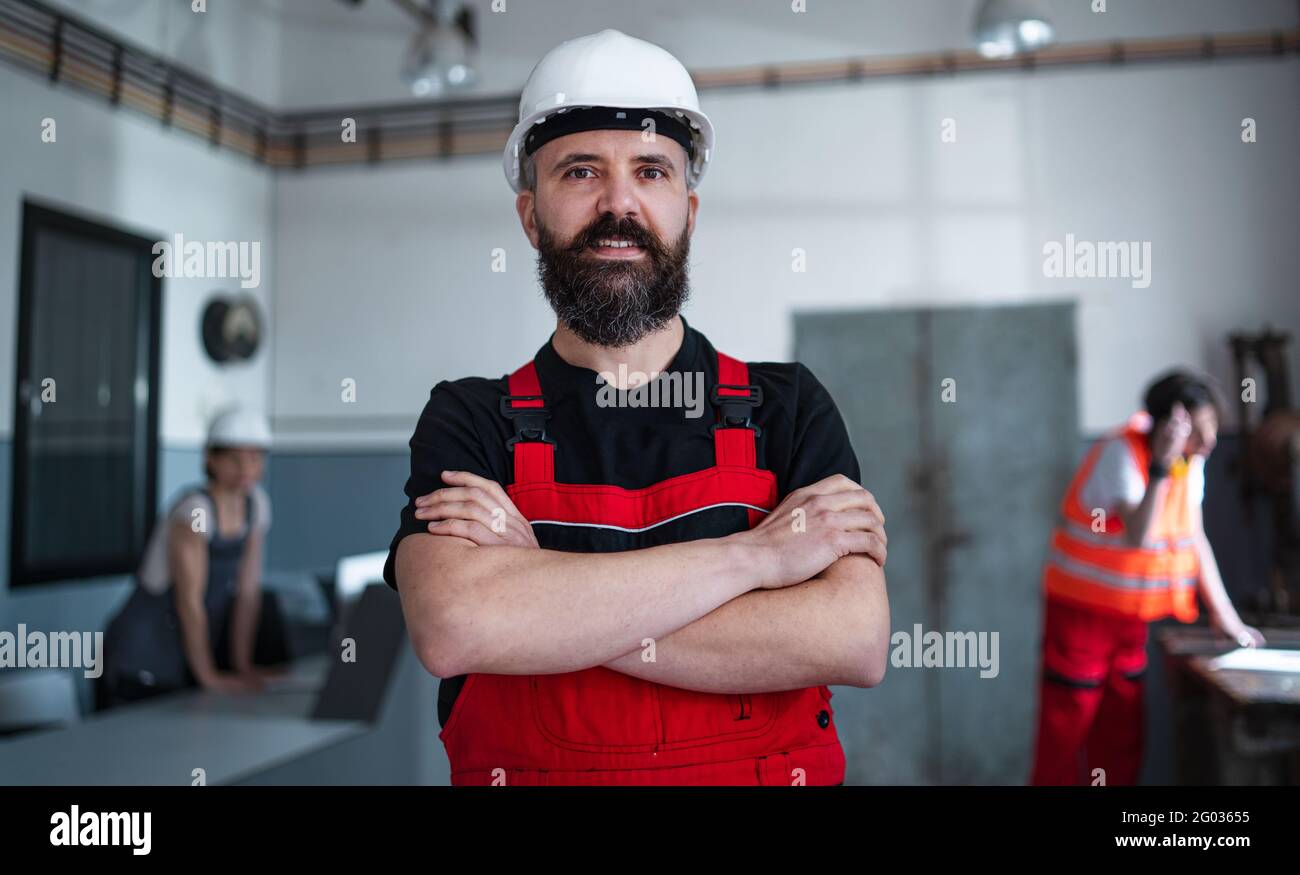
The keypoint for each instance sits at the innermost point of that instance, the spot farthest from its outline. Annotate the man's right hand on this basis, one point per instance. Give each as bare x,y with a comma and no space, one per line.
814,526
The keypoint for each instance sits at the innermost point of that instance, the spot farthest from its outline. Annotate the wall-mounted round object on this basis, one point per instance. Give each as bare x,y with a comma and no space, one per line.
232,328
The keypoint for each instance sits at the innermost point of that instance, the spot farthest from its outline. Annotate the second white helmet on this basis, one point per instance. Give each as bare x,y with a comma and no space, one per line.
239,427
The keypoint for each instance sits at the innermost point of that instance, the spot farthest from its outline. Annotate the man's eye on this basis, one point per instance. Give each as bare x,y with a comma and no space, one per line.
658,170
579,170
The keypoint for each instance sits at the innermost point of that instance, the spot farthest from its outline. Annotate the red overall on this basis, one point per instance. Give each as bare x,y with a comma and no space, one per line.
599,726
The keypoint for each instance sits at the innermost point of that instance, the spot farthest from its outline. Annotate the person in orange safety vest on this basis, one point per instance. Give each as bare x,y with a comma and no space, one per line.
1130,549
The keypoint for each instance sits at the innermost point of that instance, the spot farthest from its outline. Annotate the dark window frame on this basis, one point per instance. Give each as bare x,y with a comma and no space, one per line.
38,217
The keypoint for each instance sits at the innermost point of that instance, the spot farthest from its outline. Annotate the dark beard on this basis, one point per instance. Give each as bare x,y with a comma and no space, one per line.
609,302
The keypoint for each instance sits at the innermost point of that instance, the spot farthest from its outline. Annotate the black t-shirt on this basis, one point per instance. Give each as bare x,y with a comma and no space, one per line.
802,437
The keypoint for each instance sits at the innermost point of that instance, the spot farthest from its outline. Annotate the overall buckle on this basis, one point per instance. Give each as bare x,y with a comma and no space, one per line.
737,410
530,422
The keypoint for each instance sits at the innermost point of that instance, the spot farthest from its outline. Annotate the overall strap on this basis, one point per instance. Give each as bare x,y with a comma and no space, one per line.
533,449
249,512
735,398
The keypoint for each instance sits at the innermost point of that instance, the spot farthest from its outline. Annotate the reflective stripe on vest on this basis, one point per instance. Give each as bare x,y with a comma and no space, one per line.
599,726
1099,570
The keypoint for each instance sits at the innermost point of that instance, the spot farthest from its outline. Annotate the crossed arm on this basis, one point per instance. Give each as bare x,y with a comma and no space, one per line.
764,610
781,639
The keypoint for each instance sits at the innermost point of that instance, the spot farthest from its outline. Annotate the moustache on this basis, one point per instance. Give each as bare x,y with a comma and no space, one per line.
629,231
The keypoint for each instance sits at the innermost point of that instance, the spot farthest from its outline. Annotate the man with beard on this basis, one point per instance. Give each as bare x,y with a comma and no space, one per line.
619,594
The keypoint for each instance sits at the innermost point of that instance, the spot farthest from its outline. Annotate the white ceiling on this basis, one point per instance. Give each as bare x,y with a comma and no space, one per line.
314,53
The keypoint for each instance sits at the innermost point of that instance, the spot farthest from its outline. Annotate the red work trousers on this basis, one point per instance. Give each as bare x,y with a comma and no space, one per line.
1090,698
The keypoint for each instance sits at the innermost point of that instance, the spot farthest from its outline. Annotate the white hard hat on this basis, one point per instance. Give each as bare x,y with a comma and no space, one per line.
609,69
237,427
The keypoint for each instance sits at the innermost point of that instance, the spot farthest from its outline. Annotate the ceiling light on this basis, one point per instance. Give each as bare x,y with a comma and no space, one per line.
440,58
1004,28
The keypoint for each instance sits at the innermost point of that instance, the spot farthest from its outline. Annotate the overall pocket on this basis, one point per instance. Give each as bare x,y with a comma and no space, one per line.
692,718
596,709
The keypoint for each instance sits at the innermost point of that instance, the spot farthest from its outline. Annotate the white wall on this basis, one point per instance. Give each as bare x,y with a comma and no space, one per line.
385,274
121,168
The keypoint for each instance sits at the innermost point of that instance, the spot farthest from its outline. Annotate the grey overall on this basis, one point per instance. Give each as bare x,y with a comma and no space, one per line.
144,651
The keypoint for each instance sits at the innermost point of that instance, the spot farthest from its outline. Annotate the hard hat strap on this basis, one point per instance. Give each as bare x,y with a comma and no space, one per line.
600,118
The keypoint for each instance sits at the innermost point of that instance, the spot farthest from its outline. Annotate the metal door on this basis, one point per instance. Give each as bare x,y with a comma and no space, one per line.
965,425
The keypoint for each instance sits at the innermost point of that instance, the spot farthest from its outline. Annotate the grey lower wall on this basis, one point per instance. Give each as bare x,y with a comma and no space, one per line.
325,506
328,505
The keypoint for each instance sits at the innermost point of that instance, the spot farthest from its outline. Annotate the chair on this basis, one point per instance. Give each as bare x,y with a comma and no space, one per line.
354,573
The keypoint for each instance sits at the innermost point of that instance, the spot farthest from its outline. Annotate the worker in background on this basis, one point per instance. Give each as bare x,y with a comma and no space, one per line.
1131,548
194,614
631,594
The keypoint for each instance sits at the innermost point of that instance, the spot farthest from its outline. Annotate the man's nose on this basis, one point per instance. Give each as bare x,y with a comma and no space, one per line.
618,196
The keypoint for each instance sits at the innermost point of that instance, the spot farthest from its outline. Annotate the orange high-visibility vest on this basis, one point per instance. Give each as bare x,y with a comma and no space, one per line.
1090,565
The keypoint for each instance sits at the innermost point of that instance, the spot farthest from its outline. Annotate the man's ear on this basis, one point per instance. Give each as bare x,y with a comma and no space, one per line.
692,205
524,205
